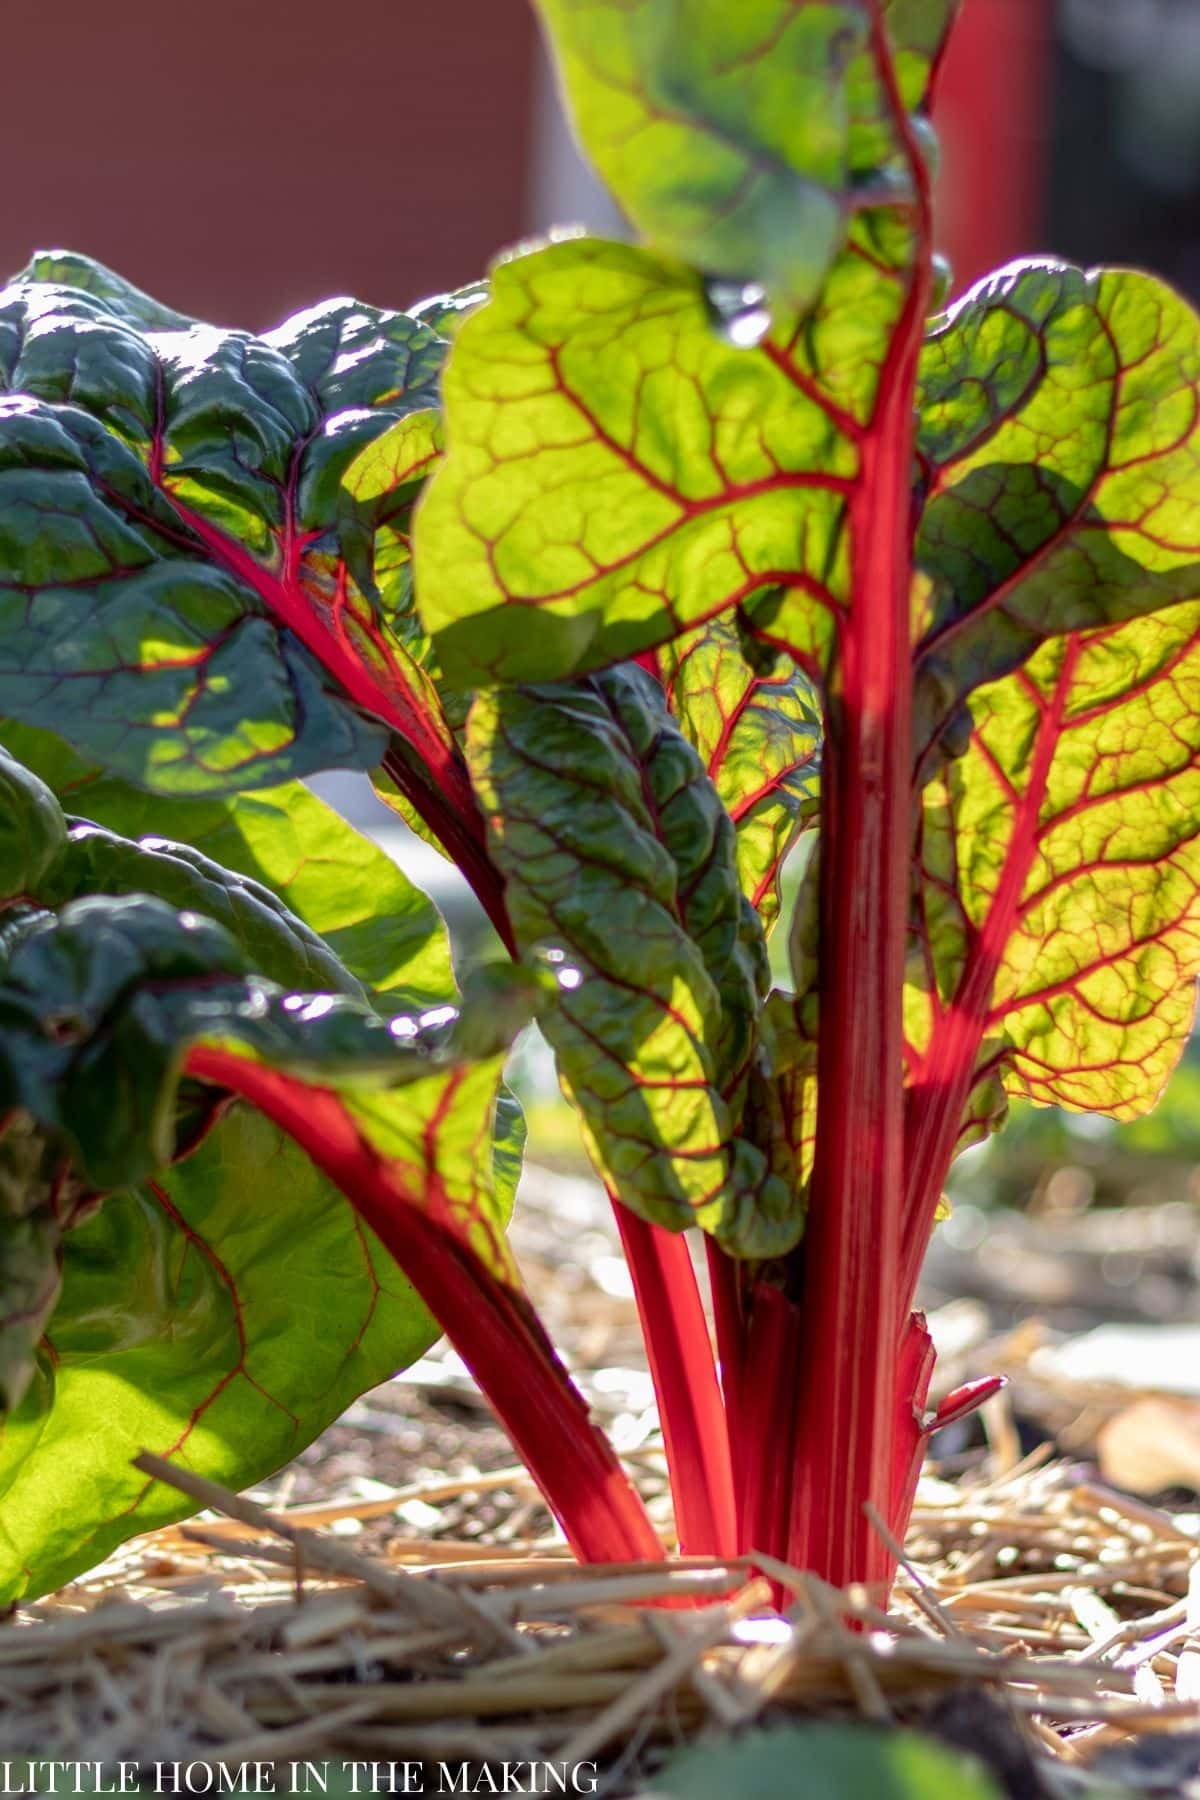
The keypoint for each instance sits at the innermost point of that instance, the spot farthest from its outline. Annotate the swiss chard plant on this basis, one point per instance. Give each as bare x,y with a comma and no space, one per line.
628,574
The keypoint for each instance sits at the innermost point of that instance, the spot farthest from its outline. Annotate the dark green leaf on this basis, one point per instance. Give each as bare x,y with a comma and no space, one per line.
33,832
444,313
380,927
67,269
174,594
620,872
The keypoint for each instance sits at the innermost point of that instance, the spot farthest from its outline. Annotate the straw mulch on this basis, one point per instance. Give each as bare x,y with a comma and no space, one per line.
259,1635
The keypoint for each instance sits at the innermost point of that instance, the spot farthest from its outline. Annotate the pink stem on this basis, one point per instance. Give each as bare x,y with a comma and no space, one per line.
685,1380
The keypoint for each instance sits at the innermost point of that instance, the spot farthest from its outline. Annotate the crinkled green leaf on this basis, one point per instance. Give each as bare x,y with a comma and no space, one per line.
743,139
38,1196
444,313
617,473
1060,443
758,736
101,1000
175,596
67,269
380,928
1057,937
619,865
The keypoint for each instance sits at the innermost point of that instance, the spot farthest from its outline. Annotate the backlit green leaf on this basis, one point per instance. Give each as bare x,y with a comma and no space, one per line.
617,473
743,140
191,1302
1058,897
723,132
1060,440
758,736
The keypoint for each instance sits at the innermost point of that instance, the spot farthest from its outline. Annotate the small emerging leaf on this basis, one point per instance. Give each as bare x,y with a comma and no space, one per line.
758,736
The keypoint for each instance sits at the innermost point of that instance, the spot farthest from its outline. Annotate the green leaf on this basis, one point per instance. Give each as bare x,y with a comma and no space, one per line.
743,140
101,1001
378,926
838,1761
37,1196
620,873
223,1333
1060,444
175,596
616,473
178,1298
724,134
67,269
127,963
33,832
758,735
1057,910
918,31
444,313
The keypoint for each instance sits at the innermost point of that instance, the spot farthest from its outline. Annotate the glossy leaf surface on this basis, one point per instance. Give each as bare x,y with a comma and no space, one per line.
175,593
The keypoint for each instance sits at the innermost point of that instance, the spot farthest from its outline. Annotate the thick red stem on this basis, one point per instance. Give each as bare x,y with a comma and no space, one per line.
767,1401
724,1287
685,1379
490,1323
852,1240
851,1324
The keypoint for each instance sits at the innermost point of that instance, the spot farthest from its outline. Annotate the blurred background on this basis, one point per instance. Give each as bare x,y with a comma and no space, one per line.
240,161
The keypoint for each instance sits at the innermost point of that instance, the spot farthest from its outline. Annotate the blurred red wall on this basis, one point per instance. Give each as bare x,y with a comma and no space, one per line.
241,158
